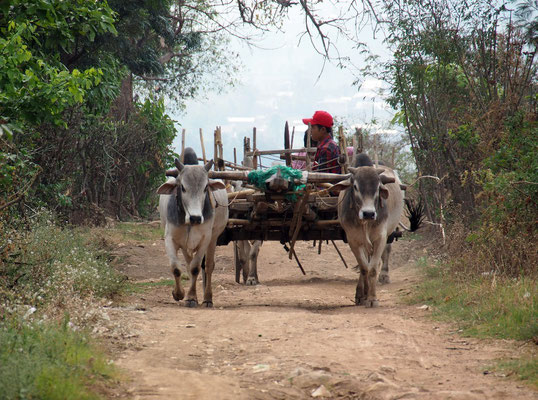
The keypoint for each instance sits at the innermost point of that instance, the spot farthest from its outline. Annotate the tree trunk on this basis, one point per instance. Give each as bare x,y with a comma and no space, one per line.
121,109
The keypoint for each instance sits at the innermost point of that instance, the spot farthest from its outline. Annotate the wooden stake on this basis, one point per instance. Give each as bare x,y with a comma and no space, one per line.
299,210
287,145
235,155
203,147
340,254
183,145
292,251
215,151
221,151
254,148
308,145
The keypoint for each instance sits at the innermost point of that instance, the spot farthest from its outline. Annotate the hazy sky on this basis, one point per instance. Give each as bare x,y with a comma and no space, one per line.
276,86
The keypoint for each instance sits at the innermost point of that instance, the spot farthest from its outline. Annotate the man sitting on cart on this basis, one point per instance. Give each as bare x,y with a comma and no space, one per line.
326,158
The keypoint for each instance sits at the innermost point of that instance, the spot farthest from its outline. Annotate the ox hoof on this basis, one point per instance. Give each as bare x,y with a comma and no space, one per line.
371,303
251,282
207,304
384,279
360,301
191,303
176,296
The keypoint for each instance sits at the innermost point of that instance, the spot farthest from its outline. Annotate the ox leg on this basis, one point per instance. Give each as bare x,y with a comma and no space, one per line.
362,285
209,266
171,250
253,258
237,262
194,267
244,251
384,275
373,270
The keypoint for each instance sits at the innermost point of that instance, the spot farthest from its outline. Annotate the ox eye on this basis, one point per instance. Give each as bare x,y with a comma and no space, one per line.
183,189
205,189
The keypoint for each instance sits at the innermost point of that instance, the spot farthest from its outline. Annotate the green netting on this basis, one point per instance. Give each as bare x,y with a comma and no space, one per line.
258,178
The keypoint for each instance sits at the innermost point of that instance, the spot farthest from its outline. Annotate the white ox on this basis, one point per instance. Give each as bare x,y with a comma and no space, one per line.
194,210
369,209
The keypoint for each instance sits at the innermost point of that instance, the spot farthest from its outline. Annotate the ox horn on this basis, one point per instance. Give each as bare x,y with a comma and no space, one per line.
387,179
179,165
172,172
208,165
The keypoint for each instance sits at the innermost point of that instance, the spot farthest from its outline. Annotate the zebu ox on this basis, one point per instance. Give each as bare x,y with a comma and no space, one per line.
196,210
369,209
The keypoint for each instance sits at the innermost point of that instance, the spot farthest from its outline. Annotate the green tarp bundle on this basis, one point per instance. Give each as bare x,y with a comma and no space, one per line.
258,178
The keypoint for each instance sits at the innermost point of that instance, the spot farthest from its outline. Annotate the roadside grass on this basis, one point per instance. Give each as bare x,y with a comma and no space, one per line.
53,283
484,306
411,236
524,368
50,361
125,231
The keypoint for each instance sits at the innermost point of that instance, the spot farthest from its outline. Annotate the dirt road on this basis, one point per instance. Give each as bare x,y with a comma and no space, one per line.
298,337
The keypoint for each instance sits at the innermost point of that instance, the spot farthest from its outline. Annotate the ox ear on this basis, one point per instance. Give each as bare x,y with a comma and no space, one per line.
383,192
342,185
167,188
208,165
352,170
215,184
179,166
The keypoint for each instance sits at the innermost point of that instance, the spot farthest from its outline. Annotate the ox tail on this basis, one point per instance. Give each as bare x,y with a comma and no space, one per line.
404,227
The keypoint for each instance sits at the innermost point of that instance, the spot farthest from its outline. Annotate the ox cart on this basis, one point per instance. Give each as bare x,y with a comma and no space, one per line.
280,203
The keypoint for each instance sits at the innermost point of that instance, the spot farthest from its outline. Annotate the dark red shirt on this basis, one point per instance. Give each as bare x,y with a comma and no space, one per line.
326,159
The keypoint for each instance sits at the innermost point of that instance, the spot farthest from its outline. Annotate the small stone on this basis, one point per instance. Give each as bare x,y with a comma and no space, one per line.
261,368
321,392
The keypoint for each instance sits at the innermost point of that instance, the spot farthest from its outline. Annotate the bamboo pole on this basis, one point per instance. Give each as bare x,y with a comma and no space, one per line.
282,151
311,177
235,156
203,147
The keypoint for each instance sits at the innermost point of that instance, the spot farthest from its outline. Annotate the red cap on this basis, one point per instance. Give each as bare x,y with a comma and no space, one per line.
322,118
